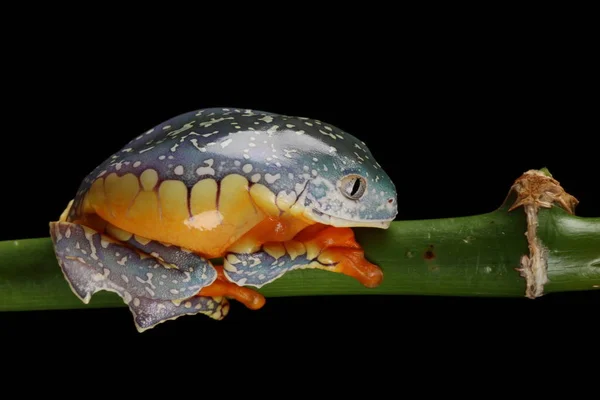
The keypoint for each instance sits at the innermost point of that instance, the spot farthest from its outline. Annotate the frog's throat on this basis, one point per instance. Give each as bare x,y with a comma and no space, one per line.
306,210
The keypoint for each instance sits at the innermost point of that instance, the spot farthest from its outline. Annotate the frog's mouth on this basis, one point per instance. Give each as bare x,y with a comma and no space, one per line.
338,222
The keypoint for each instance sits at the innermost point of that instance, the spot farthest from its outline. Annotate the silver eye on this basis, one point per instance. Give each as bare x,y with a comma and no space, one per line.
353,186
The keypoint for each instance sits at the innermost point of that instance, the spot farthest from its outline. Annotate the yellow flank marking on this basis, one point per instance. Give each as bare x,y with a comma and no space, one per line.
173,203
142,240
144,212
234,194
285,200
149,178
236,206
297,210
120,192
203,205
265,199
294,248
203,196
118,233
312,250
95,197
274,249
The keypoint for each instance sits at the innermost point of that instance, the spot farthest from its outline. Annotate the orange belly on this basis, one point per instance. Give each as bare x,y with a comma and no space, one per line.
208,219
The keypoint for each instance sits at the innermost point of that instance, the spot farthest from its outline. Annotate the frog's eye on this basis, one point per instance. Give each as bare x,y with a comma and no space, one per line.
353,186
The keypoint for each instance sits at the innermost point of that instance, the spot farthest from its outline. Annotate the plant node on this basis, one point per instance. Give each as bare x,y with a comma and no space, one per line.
537,189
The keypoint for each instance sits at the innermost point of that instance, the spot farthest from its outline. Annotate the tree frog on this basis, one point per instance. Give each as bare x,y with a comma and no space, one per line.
266,193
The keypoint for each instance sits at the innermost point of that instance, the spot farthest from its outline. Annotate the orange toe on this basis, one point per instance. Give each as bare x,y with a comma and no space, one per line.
352,262
223,287
248,297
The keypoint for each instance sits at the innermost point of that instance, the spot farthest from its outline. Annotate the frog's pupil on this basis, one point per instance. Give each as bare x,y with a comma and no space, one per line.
355,187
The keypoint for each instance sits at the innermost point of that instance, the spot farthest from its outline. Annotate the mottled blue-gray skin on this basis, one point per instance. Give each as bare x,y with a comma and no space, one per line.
285,153
154,291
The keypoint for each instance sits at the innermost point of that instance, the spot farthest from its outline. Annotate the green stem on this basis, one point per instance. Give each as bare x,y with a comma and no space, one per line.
468,256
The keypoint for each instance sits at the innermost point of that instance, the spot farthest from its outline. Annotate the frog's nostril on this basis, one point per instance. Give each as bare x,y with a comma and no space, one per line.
391,200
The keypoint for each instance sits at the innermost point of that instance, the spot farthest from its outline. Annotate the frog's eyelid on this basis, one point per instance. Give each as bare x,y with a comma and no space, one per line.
351,171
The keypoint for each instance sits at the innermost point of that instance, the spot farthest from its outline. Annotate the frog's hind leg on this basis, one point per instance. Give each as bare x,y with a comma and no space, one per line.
154,290
319,247
220,286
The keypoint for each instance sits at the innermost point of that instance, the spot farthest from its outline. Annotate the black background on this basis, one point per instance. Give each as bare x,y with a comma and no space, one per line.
452,119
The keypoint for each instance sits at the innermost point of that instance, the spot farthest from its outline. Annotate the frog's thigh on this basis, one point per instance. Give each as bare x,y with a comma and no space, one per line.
184,259
155,291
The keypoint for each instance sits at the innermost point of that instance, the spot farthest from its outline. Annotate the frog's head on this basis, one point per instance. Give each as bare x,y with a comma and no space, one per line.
353,191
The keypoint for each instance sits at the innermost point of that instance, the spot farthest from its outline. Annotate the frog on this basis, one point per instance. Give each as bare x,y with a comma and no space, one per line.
264,193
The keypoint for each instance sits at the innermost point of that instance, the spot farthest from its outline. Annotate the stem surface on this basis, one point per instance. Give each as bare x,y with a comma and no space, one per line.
468,256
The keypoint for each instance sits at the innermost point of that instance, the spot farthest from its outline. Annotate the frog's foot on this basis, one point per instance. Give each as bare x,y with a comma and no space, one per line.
154,290
327,248
350,262
338,251
223,287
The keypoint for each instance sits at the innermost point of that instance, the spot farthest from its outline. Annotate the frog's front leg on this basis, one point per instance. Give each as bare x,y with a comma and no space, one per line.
319,246
155,290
